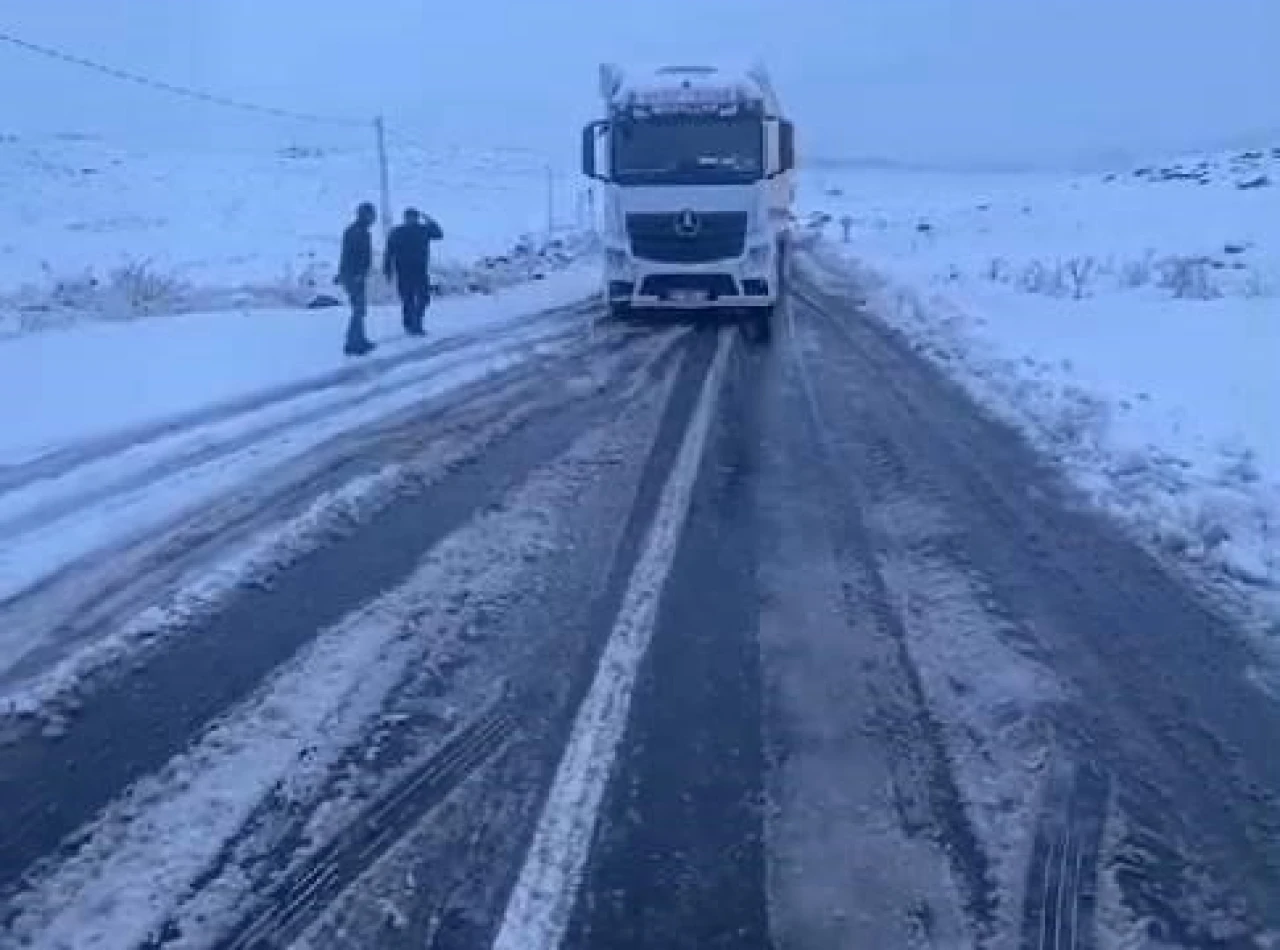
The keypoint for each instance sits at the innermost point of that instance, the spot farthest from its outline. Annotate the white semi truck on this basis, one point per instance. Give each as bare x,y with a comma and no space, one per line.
696,189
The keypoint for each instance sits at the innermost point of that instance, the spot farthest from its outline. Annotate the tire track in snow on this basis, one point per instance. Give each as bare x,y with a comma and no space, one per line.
121,873
96,589
446,884
118,874
855,856
50,526
143,465
61,461
173,579
1060,908
1190,756
926,787
291,906
119,734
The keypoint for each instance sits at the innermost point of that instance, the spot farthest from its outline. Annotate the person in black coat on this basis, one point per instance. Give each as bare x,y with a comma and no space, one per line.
407,261
353,275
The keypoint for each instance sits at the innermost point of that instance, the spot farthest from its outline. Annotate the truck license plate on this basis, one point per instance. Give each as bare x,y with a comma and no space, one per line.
688,296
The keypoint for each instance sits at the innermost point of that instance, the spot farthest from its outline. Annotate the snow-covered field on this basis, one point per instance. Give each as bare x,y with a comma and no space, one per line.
1129,322
88,228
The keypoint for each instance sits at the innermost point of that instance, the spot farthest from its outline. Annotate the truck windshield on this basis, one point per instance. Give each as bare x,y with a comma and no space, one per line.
688,151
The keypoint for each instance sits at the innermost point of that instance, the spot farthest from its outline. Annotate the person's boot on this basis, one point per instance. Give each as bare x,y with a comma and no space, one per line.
419,313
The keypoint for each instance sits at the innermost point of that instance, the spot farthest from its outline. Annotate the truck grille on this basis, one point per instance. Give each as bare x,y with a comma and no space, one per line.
660,237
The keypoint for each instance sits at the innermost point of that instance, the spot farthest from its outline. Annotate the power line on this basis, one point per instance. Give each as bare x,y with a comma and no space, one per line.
173,89
381,131
398,138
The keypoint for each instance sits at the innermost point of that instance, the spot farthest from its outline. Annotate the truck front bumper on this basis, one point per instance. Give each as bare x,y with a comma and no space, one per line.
747,281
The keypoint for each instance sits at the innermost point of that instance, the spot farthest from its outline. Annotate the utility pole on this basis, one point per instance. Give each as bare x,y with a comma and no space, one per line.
384,177
551,201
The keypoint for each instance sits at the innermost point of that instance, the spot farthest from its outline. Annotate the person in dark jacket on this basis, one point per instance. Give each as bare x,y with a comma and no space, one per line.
353,275
407,261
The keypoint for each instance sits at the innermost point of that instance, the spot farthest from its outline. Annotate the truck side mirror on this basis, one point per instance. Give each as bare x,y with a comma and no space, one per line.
590,134
786,146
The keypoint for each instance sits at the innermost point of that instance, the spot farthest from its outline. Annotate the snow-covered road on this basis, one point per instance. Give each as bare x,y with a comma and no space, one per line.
190,496
628,637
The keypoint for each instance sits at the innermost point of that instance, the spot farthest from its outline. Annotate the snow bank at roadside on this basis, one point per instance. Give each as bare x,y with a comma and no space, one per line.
1129,324
135,289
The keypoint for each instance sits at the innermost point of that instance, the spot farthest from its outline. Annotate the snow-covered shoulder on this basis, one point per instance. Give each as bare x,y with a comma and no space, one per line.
98,377
1128,323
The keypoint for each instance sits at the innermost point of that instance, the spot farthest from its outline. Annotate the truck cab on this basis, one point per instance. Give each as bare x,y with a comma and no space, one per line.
694,165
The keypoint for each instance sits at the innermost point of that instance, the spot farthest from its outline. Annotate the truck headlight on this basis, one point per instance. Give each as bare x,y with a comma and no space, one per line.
617,262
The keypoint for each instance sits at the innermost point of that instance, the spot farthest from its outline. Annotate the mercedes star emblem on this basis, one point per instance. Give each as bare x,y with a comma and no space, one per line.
688,224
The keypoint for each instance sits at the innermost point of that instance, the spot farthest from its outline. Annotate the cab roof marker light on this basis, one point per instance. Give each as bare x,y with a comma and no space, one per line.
610,80
689,95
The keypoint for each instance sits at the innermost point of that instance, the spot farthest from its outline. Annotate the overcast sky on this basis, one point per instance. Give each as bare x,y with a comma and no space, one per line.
934,81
